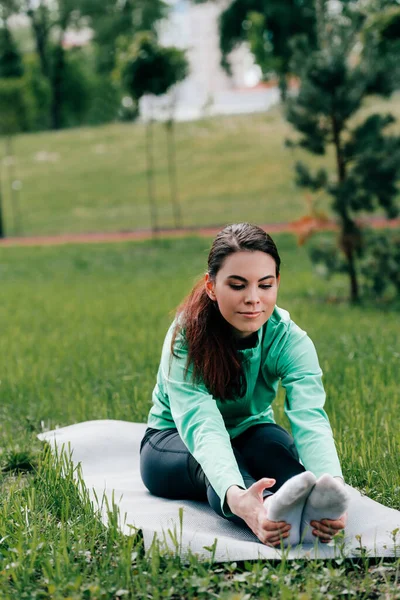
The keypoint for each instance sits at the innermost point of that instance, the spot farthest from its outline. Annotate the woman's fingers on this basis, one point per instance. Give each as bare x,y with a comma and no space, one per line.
259,486
334,524
278,526
273,532
322,535
324,528
272,539
327,526
277,539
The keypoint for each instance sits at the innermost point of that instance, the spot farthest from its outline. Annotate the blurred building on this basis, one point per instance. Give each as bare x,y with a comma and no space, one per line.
208,89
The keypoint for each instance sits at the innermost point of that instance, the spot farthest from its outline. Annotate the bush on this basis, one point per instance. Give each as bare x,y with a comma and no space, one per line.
105,101
16,106
378,265
76,89
40,91
326,258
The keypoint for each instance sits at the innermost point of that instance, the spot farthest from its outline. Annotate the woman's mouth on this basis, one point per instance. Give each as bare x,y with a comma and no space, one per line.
250,315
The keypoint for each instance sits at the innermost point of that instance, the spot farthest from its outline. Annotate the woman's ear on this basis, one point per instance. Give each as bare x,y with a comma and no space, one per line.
209,287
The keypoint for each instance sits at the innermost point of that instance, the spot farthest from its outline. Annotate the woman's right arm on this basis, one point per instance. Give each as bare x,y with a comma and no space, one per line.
202,429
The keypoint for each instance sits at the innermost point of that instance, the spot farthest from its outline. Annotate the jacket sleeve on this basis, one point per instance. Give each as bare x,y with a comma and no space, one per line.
301,377
201,426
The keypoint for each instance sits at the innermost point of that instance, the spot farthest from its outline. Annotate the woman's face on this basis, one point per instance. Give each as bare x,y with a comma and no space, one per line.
246,289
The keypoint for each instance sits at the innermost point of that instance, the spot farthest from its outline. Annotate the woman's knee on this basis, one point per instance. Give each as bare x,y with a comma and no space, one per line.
269,437
169,470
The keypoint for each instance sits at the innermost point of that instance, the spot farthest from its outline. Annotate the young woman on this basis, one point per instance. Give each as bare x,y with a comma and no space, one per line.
211,432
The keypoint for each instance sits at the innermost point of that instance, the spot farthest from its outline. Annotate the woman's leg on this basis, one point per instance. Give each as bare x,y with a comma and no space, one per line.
269,451
169,470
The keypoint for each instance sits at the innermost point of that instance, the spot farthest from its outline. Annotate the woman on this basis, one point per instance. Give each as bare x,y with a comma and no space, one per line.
211,433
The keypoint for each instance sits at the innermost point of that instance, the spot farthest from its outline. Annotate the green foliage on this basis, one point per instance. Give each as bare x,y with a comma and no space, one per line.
40,90
335,79
372,157
10,57
384,26
304,178
269,27
381,38
16,106
71,81
111,20
326,258
105,101
148,68
18,461
379,265
75,88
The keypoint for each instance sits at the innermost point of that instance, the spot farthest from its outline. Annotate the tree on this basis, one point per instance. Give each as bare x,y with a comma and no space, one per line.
335,80
113,19
49,22
10,57
149,69
178,71
15,102
51,19
268,26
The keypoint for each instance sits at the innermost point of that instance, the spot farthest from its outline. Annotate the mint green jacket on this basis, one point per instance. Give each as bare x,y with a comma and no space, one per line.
283,353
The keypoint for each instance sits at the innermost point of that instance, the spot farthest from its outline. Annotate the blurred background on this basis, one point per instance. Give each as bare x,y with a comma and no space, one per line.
127,115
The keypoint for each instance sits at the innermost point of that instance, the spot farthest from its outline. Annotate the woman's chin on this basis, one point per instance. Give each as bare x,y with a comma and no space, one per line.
246,331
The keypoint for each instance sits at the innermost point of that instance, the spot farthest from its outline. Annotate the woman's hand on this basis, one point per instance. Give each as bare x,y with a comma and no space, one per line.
326,529
249,506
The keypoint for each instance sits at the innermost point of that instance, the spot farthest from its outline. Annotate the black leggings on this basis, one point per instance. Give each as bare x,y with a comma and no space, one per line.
170,471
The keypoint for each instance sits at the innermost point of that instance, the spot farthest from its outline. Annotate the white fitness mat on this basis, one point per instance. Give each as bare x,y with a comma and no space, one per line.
108,452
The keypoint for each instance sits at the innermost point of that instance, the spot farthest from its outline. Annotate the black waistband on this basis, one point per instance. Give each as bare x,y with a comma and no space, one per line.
147,435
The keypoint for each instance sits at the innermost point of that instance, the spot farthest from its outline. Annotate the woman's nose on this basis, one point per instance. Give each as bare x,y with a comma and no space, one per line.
252,296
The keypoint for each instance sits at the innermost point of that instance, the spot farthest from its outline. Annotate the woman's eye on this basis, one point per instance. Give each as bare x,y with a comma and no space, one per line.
236,287
265,287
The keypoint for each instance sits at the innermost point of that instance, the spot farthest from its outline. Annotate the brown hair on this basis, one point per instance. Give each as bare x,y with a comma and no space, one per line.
212,351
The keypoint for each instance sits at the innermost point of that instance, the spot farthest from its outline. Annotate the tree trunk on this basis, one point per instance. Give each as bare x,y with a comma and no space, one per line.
283,86
2,232
14,193
349,235
150,175
173,185
56,84
347,243
40,33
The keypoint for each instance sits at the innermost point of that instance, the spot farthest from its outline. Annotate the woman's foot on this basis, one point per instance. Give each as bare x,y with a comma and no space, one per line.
287,503
328,500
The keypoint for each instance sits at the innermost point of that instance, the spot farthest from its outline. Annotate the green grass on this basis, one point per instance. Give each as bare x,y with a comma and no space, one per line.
94,179
81,334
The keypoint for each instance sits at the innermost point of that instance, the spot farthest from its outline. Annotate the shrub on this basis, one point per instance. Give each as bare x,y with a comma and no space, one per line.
378,262
40,91
16,106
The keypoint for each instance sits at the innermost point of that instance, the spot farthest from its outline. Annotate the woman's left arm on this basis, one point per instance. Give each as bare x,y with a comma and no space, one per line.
301,377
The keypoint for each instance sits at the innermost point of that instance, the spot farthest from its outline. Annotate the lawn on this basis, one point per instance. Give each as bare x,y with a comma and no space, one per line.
94,179
82,328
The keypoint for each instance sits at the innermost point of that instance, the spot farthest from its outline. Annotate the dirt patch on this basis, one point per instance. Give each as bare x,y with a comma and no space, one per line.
299,228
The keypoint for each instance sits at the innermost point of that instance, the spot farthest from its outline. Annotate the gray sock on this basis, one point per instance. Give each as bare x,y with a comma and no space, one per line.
328,500
288,502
